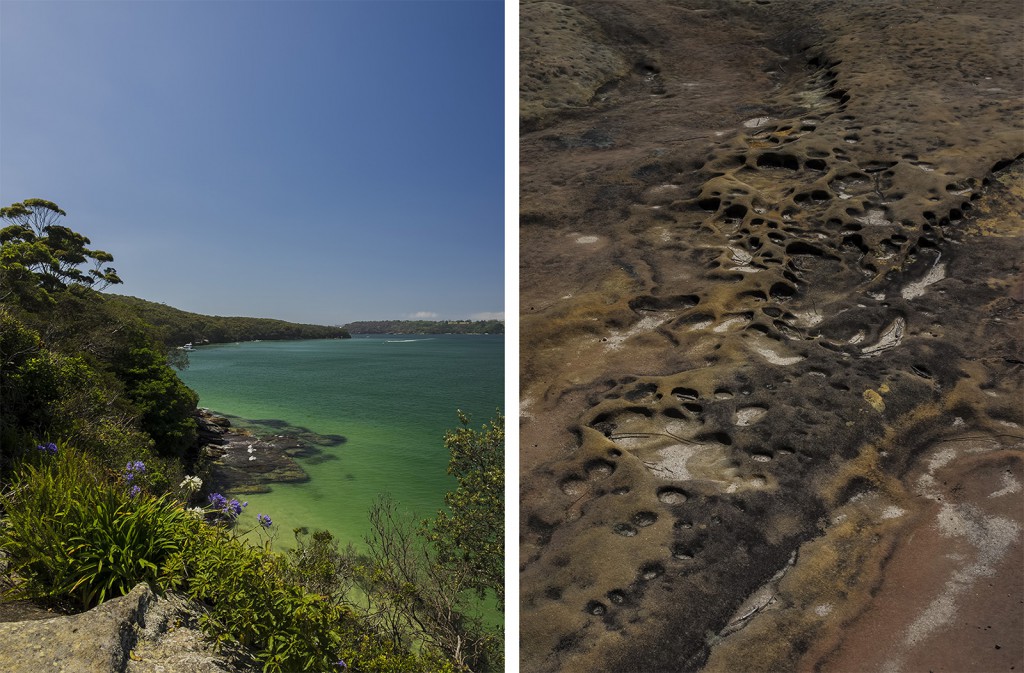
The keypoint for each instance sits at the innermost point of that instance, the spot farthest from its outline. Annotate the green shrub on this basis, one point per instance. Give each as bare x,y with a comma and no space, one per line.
73,535
253,602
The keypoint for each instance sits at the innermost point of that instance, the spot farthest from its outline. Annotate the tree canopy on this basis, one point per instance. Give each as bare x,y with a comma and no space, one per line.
39,256
471,534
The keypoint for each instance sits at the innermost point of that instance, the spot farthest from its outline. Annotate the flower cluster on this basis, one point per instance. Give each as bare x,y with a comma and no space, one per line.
133,468
191,484
235,507
264,520
48,448
230,508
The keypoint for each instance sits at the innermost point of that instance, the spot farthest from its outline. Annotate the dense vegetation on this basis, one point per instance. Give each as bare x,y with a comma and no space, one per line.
177,328
426,327
97,437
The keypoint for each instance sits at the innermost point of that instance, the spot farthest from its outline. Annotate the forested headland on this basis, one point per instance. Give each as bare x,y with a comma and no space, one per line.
426,327
176,327
102,487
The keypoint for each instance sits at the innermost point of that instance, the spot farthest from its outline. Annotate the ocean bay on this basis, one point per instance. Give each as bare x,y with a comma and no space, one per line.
391,397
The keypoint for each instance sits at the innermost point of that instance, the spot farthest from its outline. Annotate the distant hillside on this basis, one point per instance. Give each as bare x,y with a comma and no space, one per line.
175,327
426,327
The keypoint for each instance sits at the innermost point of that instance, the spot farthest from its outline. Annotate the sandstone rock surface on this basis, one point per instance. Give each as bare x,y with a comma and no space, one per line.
773,337
135,633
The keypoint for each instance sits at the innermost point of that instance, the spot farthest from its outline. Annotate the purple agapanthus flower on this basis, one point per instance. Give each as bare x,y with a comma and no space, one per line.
264,520
341,664
218,501
235,506
135,490
133,468
48,448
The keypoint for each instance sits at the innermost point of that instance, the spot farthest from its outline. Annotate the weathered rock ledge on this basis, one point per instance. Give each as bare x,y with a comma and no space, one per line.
136,633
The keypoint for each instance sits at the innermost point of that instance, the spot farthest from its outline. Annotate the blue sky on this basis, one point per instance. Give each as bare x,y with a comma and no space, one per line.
312,161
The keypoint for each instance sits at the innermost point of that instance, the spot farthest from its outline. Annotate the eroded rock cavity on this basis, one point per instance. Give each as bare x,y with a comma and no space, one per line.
772,336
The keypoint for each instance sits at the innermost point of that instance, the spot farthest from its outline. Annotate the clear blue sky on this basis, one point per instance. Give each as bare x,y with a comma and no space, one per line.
312,161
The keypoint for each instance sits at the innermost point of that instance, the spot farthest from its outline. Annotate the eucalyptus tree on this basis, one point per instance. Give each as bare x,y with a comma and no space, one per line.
40,256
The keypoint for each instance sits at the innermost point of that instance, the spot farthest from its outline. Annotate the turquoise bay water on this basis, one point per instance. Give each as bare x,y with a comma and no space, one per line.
391,397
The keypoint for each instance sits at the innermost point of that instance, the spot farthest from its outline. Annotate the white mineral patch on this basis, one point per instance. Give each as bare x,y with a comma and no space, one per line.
925,487
586,239
1010,485
893,512
729,322
934,275
808,318
703,324
756,122
823,610
774,357
740,256
685,461
645,324
891,337
991,536
874,217
672,461
524,407
742,259
941,458
750,415
952,522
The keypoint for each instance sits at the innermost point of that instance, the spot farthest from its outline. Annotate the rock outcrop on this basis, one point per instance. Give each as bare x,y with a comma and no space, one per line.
773,336
136,633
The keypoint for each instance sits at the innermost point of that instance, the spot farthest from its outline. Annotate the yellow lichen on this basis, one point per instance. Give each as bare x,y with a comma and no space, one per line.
874,399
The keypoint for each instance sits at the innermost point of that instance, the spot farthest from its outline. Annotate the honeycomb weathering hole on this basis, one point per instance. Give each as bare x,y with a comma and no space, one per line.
670,495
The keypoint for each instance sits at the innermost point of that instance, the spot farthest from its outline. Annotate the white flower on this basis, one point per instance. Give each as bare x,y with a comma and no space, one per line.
251,449
252,457
197,512
191,484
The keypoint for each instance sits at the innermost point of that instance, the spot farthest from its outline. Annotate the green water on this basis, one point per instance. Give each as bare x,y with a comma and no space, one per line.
391,397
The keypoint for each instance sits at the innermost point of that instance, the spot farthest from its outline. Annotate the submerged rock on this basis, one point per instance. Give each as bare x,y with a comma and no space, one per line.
248,459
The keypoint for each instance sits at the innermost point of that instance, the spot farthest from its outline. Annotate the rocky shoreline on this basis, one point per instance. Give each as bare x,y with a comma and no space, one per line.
243,461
